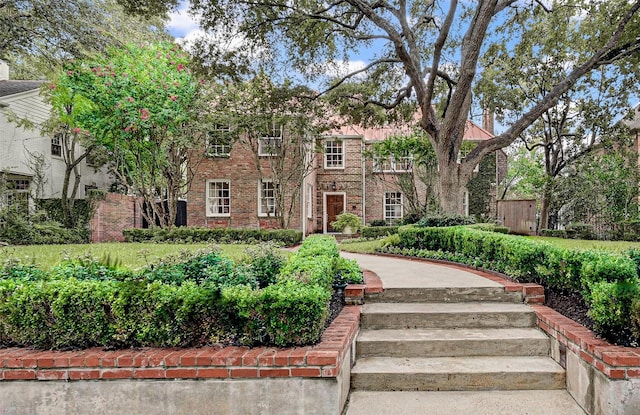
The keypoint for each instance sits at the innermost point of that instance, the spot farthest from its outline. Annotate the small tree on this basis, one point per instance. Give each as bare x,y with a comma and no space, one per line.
409,162
145,107
278,126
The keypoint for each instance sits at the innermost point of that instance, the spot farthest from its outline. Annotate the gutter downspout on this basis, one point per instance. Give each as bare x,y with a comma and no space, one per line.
364,186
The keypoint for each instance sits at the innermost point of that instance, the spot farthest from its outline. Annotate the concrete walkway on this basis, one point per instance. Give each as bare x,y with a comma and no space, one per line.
404,275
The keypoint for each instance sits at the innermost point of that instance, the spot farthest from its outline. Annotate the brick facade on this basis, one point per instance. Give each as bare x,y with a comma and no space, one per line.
112,215
354,180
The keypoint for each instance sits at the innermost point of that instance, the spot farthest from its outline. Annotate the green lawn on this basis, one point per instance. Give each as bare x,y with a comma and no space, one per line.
131,255
611,246
365,247
369,247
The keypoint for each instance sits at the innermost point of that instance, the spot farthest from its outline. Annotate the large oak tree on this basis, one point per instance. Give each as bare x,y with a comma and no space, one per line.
423,52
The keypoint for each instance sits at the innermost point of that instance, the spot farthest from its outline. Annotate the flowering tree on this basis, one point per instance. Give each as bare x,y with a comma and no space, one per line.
143,111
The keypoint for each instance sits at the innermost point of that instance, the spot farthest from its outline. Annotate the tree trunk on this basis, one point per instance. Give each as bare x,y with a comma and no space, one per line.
451,188
545,206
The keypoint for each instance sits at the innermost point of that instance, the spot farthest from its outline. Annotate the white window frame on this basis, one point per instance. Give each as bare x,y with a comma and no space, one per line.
209,197
261,189
309,201
463,154
17,189
386,217
270,141
392,165
56,143
465,203
331,144
217,149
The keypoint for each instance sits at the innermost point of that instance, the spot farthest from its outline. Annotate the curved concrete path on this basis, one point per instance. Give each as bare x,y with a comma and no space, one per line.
407,274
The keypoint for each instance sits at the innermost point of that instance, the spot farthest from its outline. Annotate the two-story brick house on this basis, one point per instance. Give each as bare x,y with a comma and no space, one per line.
229,190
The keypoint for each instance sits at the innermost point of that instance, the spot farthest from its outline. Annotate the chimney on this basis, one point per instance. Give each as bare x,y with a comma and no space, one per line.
487,120
4,71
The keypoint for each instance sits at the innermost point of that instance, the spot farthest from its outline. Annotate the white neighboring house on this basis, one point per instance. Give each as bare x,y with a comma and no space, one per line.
20,147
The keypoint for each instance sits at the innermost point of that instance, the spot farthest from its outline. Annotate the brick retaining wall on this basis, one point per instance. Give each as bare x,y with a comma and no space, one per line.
321,360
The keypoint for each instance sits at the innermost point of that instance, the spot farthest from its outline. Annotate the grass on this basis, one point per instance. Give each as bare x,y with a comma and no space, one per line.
361,247
369,247
610,246
130,255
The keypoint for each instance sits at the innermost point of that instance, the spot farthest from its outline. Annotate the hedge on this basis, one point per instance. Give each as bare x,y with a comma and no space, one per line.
287,237
375,232
607,281
205,299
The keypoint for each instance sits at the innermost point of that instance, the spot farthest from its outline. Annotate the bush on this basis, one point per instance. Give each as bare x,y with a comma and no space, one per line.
374,232
347,220
534,261
581,231
554,233
184,301
445,219
16,228
490,227
264,261
286,237
346,271
378,222
611,307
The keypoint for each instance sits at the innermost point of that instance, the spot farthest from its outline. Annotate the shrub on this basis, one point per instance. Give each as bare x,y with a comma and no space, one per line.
374,232
528,260
264,261
295,312
554,233
378,222
287,237
346,271
185,300
581,231
445,219
16,228
347,220
611,306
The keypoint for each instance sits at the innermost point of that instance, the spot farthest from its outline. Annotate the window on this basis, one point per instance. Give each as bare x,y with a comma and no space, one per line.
465,203
464,152
267,198
392,207
309,201
392,164
17,192
219,141
333,154
218,198
270,140
56,145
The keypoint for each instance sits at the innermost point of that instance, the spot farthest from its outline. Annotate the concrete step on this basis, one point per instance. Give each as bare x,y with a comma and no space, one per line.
444,295
456,373
446,315
452,342
548,402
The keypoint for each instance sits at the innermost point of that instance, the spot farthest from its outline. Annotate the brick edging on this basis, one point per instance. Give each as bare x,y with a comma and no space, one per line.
322,360
531,293
615,362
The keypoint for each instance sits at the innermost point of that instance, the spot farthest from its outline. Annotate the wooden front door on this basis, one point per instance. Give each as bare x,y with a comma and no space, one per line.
335,206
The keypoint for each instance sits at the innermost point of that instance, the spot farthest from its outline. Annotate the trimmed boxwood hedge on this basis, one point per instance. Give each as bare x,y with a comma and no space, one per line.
607,281
287,237
375,232
174,304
